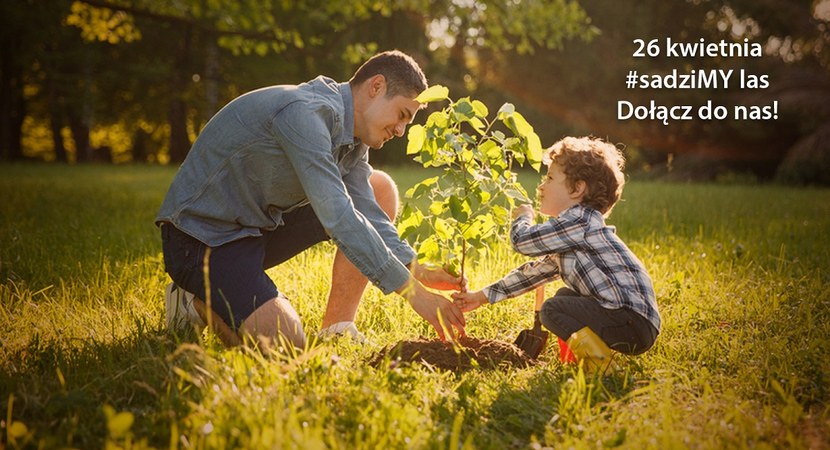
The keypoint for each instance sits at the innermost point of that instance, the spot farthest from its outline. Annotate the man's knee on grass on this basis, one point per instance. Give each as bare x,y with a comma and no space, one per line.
273,324
386,192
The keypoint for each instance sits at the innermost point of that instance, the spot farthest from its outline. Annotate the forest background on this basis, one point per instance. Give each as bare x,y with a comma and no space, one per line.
134,81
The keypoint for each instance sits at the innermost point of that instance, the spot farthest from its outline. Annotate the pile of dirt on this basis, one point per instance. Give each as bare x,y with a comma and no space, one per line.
487,354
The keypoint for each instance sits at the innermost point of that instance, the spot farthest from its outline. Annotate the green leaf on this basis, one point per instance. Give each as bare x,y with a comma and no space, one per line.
517,192
417,191
416,137
453,267
480,109
463,110
500,214
483,196
506,110
437,208
467,138
473,232
458,209
490,150
261,48
520,126
486,227
433,94
519,152
426,157
429,250
534,151
439,120
410,221
442,229
478,229
478,125
513,144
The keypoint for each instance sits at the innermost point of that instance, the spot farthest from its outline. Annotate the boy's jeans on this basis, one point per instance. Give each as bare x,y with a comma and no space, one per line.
622,329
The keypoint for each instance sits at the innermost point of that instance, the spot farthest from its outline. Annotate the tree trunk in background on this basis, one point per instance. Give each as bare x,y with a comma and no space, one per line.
138,151
179,142
177,113
56,122
212,74
12,105
57,139
80,133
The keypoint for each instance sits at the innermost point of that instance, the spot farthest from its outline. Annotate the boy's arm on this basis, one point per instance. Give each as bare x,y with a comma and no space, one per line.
523,279
557,235
468,301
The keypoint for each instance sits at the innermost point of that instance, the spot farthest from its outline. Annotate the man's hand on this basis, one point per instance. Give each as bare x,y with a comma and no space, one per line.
438,278
522,210
435,309
468,301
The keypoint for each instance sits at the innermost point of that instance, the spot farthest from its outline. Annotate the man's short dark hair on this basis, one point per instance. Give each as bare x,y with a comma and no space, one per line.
402,73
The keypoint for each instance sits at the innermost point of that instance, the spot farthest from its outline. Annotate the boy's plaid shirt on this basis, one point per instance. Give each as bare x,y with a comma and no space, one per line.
581,249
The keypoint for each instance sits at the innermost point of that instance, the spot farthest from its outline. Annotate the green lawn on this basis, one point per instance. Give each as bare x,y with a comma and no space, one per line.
85,360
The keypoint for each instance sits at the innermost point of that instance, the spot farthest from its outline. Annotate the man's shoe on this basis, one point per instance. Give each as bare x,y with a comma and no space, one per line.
179,309
344,329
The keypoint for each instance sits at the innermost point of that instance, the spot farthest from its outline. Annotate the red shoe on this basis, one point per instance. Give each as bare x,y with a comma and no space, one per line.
565,353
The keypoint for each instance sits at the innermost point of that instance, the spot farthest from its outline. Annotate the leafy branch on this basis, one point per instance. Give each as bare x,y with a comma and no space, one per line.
458,214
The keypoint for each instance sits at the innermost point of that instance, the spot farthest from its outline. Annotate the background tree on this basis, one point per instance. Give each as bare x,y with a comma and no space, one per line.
143,76
797,37
188,58
21,25
560,98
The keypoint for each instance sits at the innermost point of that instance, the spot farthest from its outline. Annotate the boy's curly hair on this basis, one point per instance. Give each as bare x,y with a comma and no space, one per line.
594,161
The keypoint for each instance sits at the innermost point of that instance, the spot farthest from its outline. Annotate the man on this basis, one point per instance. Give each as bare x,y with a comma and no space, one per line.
274,172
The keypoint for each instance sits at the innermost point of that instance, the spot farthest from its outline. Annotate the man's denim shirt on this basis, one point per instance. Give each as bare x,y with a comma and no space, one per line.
278,148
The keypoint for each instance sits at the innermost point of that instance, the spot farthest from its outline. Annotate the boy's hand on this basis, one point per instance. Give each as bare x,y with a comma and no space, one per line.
468,301
523,209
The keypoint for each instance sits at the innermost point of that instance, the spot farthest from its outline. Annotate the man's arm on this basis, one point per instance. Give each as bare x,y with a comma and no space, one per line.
365,202
306,140
363,196
307,143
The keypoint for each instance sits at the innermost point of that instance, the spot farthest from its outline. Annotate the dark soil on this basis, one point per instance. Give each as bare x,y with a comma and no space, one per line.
468,353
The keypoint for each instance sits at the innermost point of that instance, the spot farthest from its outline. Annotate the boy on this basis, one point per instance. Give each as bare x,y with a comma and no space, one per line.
608,302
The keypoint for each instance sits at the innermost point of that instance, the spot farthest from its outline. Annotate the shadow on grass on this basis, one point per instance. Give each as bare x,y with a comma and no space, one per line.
555,399
58,388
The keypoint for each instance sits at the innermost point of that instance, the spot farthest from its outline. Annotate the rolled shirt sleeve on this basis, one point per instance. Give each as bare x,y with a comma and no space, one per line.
523,279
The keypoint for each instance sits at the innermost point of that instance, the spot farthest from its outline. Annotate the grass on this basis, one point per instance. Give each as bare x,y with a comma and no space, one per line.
743,360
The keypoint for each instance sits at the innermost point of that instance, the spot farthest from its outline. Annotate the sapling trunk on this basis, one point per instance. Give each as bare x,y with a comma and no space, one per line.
463,256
